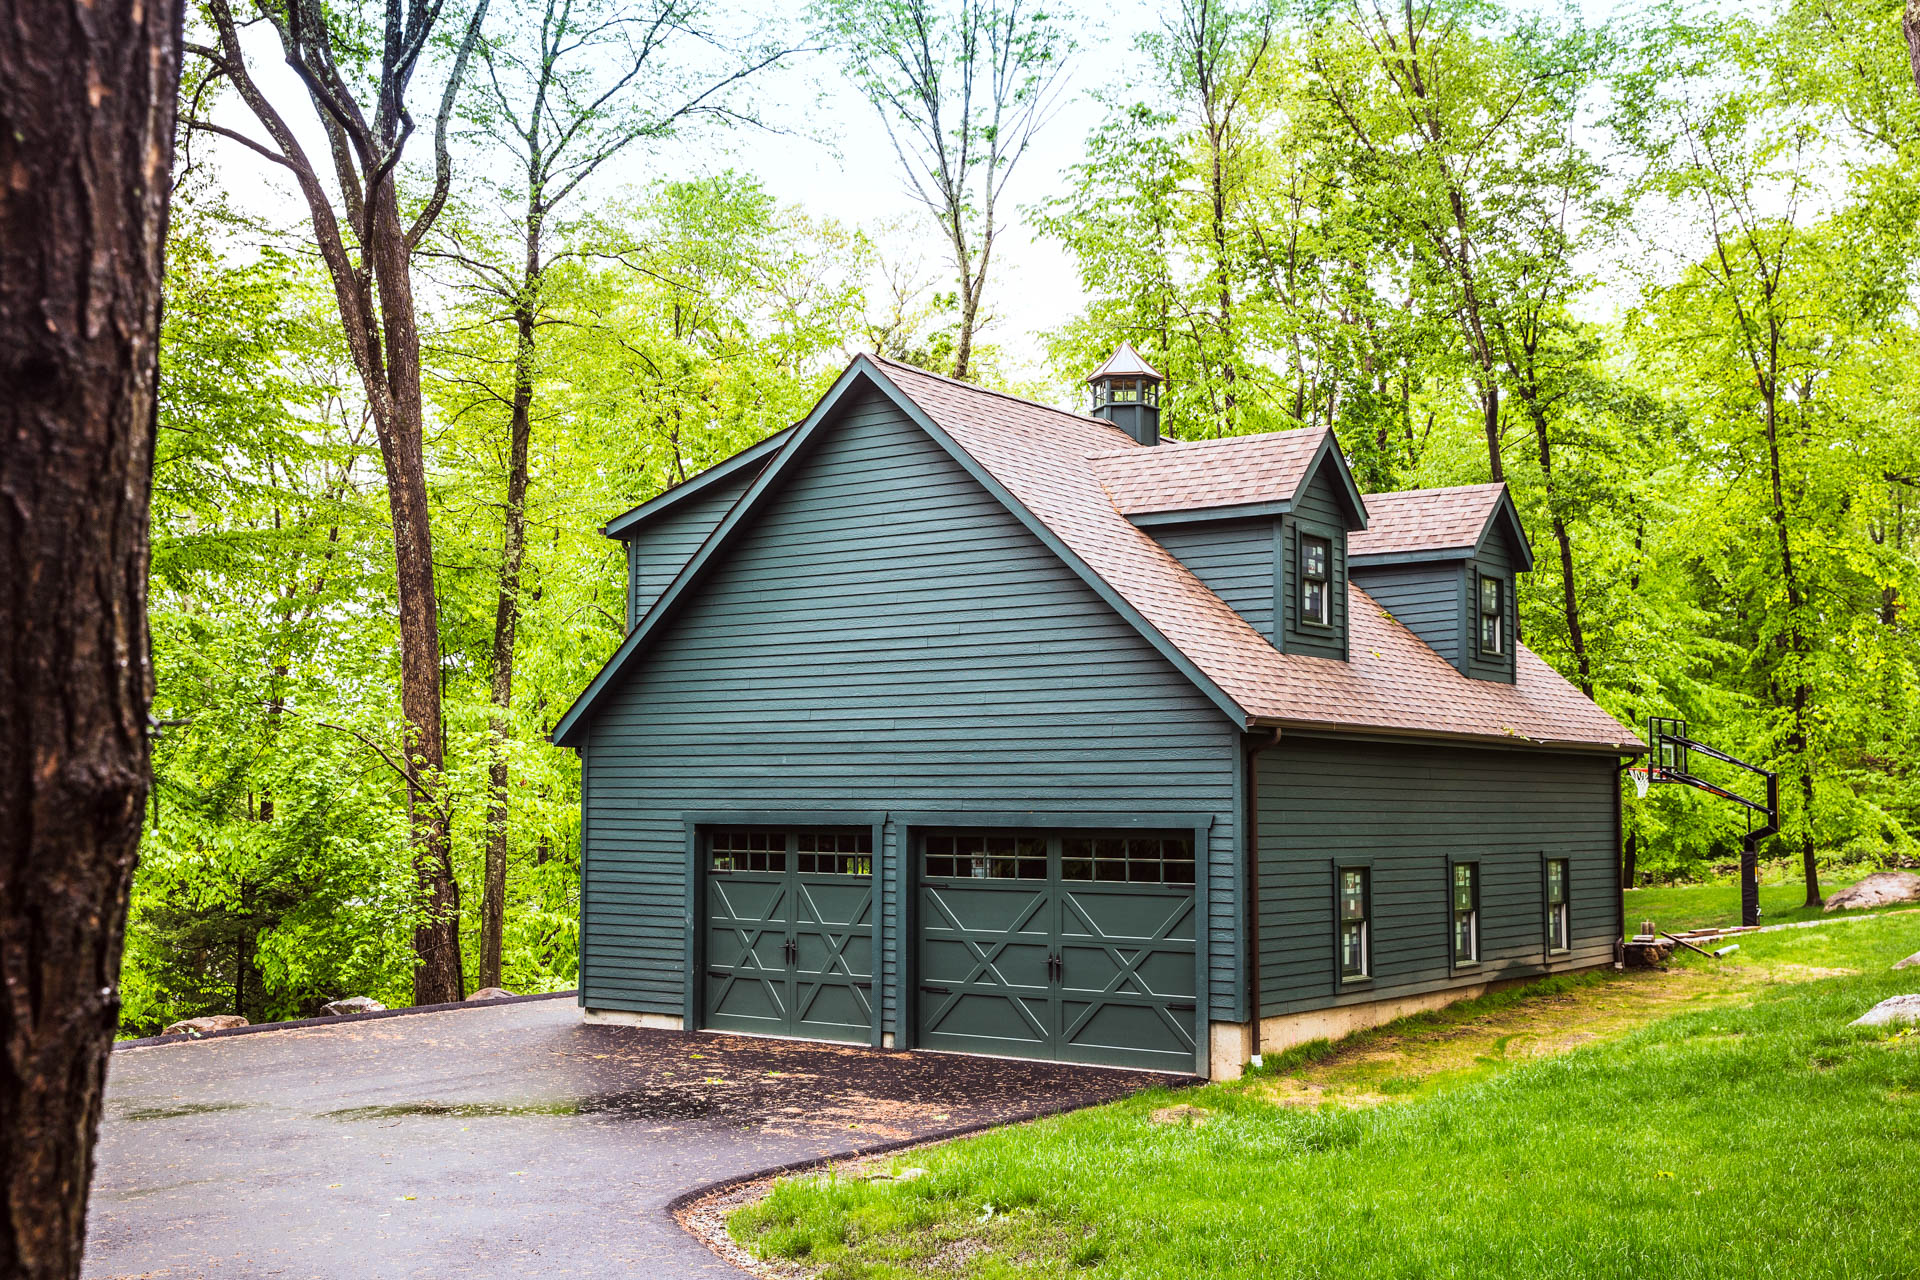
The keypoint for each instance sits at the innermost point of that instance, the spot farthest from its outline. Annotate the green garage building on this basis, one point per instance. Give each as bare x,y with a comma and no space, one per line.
946,720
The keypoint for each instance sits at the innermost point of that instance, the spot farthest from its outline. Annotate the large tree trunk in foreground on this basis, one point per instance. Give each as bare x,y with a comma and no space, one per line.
87,94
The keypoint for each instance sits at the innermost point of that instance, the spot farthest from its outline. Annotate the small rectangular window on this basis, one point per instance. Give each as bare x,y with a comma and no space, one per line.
730,851
1356,941
1559,919
1133,859
1466,913
985,855
834,853
1493,615
1316,560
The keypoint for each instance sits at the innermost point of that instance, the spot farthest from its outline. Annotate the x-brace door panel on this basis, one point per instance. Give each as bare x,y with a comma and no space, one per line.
985,968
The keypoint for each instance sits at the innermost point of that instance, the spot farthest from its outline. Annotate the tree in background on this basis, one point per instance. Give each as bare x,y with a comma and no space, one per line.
88,96
570,86
342,70
961,93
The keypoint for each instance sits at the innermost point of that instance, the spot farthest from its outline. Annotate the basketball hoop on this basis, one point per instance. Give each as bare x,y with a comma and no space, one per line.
1641,781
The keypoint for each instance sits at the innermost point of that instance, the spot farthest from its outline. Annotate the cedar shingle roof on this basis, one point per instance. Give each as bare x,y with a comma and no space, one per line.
1208,473
1053,463
1426,520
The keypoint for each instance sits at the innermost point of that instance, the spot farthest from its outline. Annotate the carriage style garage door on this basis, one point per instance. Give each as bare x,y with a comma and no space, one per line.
1078,947
789,932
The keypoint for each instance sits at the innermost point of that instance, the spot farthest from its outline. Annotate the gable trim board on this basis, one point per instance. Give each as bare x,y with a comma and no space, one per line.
863,370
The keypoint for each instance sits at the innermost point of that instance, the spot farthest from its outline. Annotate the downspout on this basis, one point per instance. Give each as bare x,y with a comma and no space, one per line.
1252,843
1619,861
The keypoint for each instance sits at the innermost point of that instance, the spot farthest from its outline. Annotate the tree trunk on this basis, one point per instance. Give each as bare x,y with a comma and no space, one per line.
1798,741
1569,597
506,623
438,976
1490,423
87,100
1910,23
1629,857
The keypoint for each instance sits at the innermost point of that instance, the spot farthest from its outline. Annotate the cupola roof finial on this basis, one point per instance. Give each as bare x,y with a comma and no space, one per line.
1126,363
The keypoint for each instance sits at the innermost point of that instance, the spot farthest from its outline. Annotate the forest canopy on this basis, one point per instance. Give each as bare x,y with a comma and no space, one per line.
1658,274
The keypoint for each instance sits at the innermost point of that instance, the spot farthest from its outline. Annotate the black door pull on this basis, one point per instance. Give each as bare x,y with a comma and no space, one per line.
937,991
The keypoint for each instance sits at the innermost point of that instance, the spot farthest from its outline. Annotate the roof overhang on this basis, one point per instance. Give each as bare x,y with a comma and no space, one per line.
626,524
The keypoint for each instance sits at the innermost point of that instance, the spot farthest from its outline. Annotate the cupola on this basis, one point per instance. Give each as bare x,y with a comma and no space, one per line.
1126,392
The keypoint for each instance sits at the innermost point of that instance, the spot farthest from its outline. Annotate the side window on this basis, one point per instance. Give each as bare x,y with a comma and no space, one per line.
1466,913
1316,564
1493,615
1559,919
1356,909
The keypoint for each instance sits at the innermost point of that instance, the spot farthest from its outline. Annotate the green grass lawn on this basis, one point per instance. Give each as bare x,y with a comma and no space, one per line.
1701,906
1735,1127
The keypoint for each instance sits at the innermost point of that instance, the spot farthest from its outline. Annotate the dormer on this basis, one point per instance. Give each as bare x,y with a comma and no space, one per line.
1444,563
1262,520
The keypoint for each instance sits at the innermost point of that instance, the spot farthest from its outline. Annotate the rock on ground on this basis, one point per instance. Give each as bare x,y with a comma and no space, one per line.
491,993
1892,1010
200,1026
352,1004
1877,890
1911,962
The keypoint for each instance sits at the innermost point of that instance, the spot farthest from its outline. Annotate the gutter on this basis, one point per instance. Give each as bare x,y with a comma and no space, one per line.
1320,728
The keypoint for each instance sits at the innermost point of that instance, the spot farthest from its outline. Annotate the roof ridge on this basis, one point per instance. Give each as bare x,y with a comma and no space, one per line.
1438,488
890,362
1173,444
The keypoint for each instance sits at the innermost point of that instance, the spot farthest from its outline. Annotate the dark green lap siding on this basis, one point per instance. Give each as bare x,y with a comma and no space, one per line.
1423,598
659,547
1234,558
1405,811
884,637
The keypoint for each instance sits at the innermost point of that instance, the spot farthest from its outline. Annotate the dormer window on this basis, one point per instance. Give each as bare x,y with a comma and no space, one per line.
1316,556
1493,615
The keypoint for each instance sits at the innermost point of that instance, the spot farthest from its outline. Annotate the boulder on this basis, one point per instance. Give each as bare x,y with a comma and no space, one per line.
200,1026
352,1004
1892,1010
491,993
1911,962
1880,889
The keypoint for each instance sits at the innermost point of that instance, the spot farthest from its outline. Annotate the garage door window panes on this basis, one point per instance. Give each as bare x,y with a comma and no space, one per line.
835,853
749,851
1128,859
986,856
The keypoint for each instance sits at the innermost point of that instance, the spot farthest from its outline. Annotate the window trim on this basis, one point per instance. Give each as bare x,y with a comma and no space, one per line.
1301,537
1547,860
1480,615
1343,981
1454,963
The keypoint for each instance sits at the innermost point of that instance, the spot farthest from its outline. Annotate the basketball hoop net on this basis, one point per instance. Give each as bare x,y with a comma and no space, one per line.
1641,781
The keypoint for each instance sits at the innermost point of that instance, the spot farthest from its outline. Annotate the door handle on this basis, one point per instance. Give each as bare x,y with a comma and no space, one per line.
936,991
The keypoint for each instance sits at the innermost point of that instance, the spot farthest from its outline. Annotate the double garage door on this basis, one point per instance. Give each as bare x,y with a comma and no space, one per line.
1075,946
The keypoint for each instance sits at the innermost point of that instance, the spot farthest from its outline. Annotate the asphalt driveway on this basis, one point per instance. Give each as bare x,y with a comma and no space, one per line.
510,1140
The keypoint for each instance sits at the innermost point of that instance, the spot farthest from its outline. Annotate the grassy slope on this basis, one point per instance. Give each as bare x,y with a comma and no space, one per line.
1701,906
1753,1133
